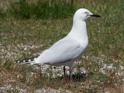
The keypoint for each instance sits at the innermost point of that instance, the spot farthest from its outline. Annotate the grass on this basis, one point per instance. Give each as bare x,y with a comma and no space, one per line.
28,35
45,9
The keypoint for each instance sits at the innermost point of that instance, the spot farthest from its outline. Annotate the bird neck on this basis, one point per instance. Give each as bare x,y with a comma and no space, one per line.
79,30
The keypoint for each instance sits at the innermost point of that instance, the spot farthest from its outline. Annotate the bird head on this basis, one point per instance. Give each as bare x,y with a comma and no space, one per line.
83,14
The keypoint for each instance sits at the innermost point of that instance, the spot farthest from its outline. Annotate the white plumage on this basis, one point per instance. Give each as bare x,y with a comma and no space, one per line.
68,49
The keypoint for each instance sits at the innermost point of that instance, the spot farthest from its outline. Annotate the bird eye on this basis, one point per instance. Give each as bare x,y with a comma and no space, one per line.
86,12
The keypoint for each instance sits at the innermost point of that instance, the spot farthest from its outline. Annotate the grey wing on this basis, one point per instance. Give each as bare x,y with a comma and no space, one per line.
63,50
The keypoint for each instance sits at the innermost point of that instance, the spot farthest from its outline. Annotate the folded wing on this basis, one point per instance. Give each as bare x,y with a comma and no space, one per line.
62,51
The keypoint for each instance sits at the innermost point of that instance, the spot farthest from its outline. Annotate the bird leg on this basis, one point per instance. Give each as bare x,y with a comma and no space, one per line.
64,71
70,73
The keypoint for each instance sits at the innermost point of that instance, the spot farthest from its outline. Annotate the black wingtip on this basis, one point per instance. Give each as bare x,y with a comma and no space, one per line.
20,61
17,61
26,60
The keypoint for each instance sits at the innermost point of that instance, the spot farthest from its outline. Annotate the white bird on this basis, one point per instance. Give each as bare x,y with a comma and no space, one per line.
68,49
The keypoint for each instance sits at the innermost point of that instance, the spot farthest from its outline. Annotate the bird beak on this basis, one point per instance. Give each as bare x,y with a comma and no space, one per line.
95,15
